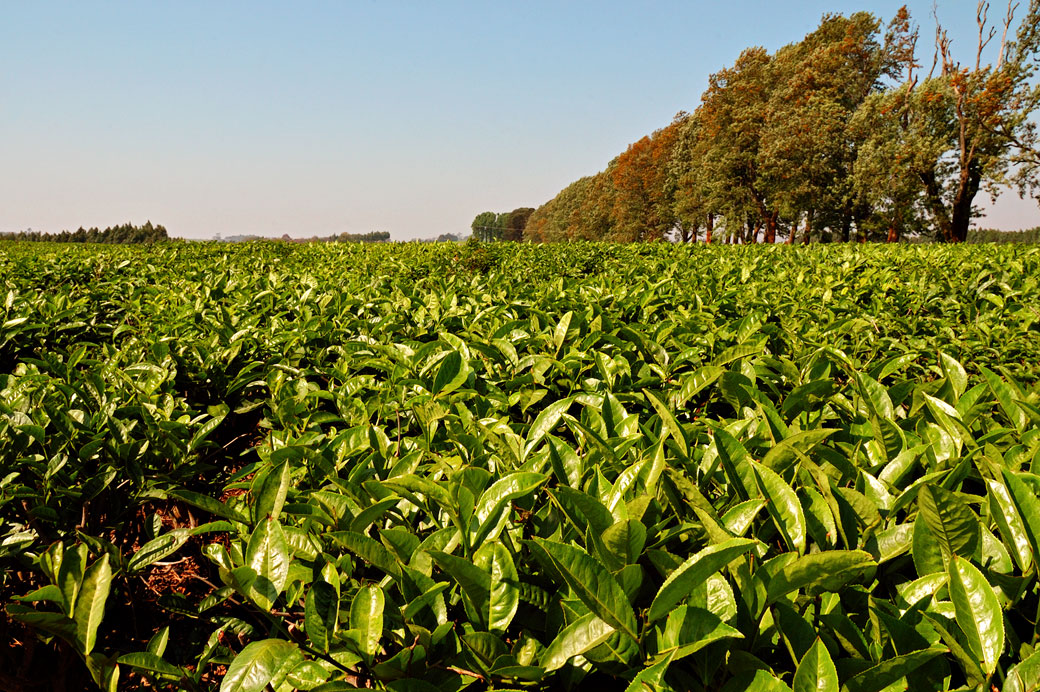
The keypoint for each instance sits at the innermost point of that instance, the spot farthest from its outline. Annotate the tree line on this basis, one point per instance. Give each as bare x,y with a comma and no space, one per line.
369,237
489,225
1031,236
842,136
124,234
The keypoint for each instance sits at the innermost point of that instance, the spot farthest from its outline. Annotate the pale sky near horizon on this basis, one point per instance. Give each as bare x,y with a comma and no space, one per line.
314,118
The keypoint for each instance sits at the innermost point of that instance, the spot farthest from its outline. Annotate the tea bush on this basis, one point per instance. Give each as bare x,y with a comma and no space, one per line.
434,467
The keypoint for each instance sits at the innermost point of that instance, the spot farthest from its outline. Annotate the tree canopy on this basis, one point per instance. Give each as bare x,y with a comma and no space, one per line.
489,225
839,136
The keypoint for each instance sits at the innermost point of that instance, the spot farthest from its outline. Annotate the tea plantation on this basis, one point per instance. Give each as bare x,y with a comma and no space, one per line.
446,467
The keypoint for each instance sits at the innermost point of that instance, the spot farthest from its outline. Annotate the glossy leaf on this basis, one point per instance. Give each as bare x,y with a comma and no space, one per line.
593,584
816,671
257,665
978,613
695,571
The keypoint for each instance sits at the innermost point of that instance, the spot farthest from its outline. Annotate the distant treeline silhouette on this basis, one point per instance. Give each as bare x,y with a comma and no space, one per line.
370,237
124,234
1031,235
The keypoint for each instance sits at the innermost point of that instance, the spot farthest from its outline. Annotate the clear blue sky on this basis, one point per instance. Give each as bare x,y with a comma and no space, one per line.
321,117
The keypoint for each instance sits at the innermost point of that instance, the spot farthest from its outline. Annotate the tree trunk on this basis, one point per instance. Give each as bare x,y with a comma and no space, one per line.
709,229
846,225
770,229
893,229
933,200
966,189
953,224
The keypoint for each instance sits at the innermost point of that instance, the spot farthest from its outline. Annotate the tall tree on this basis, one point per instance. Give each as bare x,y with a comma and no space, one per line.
515,222
686,176
963,127
807,153
732,118
485,226
644,191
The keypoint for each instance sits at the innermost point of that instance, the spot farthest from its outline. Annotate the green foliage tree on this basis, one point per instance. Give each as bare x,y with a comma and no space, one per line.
485,226
732,117
807,152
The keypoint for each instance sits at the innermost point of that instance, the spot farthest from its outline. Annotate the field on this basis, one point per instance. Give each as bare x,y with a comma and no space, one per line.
437,467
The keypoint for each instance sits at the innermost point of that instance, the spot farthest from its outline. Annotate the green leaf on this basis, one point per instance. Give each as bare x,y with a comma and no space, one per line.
954,525
593,585
583,510
271,495
544,424
755,680
157,644
104,670
218,413
731,453
372,513
451,373
955,374
890,671
560,332
701,378
1024,676
585,633
321,614
90,604
70,574
494,500
208,504
475,582
1006,399
52,623
816,671
924,549
157,549
368,550
820,572
651,678
1028,506
688,630
150,662
267,553
44,593
624,542
566,463
366,616
695,571
1013,530
978,613
504,593
783,506
258,664
668,421
434,492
